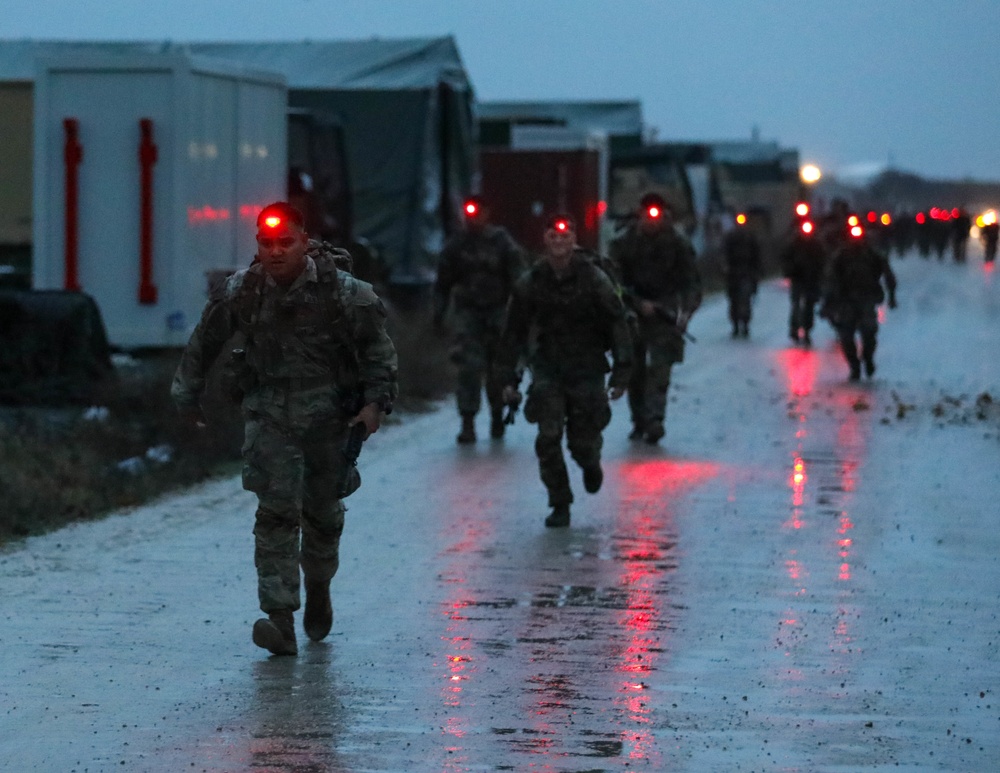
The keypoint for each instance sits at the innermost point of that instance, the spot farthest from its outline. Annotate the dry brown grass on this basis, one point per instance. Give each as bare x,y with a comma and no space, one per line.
57,467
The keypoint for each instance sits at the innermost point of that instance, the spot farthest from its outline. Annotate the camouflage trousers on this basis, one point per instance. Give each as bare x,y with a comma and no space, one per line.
857,320
656,350
803,297
474,352
581,409
299,517
741,290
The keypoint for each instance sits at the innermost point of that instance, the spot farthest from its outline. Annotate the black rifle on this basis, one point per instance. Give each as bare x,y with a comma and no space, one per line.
670,317
350,477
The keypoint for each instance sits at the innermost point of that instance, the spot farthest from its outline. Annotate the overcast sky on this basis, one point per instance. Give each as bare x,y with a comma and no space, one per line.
850,83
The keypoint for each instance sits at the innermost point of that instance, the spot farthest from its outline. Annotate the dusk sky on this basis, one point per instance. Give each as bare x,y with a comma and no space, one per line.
853,84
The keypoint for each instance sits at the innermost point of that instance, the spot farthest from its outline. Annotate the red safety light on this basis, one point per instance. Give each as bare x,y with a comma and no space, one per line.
921,218
653,212
272,221
935,213
471,209
857,231
955,212
563,225
872,217
801,209
853,220
807,227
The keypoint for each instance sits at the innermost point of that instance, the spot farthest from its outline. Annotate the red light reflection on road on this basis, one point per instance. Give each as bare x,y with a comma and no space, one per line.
646,517
800,366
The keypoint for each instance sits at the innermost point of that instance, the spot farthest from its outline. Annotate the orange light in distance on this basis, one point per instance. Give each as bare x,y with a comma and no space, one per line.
886,219
741,219
853,220
801,209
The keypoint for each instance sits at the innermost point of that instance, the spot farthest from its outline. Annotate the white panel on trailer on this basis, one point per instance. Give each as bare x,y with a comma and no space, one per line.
199,187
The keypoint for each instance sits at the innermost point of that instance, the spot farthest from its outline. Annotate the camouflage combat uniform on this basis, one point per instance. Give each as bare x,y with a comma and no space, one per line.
563,327
658,267
316,351
852,293
741,251
477,270
803,261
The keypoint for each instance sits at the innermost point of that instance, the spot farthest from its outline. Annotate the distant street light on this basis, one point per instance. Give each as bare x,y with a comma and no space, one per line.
810,174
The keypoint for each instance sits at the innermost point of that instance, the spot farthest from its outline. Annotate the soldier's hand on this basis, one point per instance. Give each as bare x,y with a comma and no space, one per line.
615,393
510,395
371,416
192,416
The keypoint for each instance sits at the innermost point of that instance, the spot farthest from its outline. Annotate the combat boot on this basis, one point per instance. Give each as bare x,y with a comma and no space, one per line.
654,432
593,477
855,371
559,517
869,367
636,433
468,433
318,617
497,426
276,633
807,339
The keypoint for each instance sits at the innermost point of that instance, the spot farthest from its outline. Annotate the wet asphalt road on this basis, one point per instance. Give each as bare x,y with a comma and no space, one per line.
804,576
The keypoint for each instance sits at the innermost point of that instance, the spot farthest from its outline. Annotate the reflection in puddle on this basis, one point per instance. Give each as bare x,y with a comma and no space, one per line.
571,643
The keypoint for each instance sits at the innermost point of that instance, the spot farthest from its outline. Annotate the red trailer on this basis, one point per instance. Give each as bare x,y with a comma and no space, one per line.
524,187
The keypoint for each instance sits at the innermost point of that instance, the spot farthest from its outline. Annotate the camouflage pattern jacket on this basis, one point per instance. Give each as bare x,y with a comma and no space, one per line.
804,260
564,325
854,278
479,268
327,328
658,267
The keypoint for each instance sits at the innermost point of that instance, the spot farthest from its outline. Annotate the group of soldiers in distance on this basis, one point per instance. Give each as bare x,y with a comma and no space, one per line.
560,314
935,232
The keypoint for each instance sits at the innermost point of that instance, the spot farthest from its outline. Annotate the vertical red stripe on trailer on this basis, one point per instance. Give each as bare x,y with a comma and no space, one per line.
72,158
147,159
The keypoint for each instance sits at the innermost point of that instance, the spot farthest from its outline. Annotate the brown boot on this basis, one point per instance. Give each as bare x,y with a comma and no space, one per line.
276,633
318,618
468,433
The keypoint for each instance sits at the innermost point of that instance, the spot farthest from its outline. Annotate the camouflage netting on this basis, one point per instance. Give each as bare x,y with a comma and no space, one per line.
53,347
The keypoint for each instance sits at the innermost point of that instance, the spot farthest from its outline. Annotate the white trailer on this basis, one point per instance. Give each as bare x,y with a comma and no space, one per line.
149,171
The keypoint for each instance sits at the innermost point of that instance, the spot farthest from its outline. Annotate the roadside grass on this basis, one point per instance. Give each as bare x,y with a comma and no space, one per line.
75,463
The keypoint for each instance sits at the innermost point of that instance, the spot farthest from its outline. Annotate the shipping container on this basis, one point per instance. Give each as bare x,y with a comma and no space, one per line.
149,172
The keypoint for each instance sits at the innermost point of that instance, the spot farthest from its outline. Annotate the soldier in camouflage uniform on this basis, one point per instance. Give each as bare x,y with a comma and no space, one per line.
741,251
317,361
852,293
477,270
661,283
803,261
564,315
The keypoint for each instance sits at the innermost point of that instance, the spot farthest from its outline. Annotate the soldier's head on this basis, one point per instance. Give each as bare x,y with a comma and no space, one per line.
559,236
654,213
475,213
282,241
